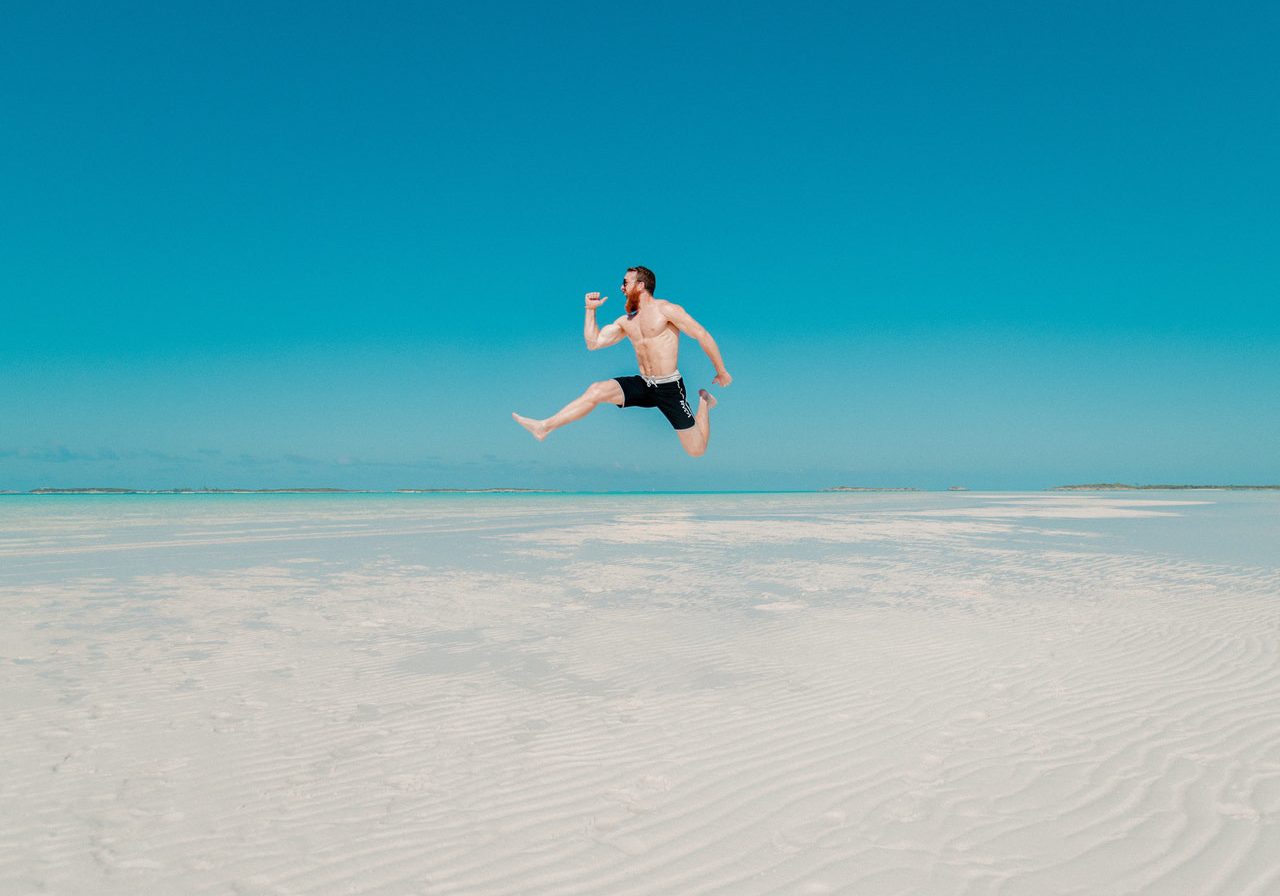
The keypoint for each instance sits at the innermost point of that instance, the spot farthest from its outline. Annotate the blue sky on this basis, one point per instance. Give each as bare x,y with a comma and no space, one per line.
997,245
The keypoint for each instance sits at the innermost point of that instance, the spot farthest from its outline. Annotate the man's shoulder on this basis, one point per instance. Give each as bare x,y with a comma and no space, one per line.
668,307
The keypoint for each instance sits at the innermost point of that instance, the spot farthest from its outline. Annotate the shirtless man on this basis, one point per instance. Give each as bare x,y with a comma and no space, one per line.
654,327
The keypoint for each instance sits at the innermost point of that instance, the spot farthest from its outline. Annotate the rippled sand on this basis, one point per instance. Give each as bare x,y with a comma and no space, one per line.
910,694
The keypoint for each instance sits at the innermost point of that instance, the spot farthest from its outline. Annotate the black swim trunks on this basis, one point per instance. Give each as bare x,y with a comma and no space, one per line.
664,393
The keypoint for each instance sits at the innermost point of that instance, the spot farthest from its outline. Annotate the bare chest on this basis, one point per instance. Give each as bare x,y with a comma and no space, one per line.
649,327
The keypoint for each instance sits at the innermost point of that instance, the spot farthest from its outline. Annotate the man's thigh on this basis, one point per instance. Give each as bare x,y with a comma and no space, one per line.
692,439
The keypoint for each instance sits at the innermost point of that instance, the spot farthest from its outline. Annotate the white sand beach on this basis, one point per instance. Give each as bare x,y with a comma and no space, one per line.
742,694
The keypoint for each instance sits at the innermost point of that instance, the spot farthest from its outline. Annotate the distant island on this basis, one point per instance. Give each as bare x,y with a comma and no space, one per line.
1120,486
862,488
276,491
480,491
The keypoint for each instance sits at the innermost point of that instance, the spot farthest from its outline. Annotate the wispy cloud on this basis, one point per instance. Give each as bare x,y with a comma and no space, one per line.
57,453
429,462
252,460
60,454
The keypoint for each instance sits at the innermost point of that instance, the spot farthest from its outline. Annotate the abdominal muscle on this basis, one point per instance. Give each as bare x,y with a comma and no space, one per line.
658,352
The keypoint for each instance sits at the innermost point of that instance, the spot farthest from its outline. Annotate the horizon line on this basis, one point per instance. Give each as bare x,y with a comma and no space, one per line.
109,491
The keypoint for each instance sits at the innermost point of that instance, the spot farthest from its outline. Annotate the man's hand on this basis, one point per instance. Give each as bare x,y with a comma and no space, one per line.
594,301
722,378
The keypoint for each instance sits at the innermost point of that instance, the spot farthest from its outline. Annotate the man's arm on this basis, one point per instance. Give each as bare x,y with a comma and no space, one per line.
596,337
695,331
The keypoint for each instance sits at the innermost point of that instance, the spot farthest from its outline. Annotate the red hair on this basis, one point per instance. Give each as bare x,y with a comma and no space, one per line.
645,278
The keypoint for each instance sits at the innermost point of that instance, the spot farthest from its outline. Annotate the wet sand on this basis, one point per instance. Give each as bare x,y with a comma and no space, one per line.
911,694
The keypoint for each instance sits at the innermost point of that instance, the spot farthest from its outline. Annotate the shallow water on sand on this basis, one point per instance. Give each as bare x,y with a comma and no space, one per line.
48,536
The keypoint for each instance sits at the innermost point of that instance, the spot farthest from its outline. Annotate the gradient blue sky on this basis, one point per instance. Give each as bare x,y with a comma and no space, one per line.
1000,245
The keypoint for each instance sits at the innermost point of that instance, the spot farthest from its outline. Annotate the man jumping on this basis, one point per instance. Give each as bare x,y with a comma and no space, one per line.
654,327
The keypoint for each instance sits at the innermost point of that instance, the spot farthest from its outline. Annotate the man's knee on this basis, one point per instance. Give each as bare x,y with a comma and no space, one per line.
605,390
695,449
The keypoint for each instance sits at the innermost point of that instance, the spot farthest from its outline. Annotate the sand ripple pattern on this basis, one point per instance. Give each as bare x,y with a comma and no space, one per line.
666,695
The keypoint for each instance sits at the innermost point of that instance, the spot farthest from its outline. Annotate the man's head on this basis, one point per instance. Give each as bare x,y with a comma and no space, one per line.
635,283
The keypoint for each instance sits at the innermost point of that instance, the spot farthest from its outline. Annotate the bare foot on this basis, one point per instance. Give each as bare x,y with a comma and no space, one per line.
534,426
707,398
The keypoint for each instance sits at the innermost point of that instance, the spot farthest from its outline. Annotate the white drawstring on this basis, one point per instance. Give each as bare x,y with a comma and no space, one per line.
659,380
